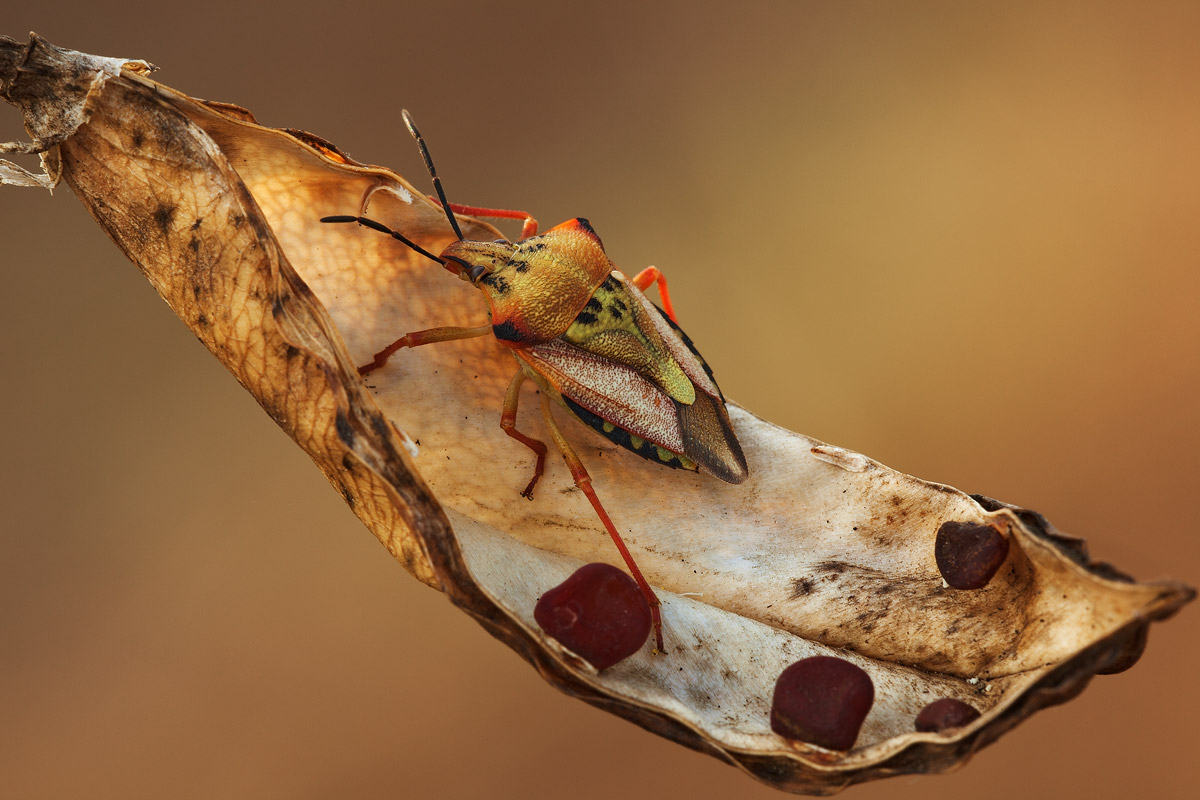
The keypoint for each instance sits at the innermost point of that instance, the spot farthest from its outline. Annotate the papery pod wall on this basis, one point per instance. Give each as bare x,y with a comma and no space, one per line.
823,552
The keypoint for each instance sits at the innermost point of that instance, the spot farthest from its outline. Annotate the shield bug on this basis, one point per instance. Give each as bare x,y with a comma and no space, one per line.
592,342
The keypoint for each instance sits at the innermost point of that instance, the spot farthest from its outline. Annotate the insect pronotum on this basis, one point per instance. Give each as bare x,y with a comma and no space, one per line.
591,341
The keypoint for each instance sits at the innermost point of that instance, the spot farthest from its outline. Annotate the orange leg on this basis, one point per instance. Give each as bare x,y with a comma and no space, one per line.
418,338
651,275
529,225
584,482
508,423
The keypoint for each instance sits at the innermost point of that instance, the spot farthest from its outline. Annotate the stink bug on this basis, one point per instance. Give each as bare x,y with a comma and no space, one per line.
592,342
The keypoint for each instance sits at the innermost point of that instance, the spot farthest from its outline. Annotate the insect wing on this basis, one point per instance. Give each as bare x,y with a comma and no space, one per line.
615,399
630,410
707,431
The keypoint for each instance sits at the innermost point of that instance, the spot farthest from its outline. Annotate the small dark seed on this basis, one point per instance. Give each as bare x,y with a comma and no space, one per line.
823,701
598,612
941,715
968,554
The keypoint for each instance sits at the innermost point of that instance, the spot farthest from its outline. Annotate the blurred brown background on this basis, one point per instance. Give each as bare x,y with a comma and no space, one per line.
962,241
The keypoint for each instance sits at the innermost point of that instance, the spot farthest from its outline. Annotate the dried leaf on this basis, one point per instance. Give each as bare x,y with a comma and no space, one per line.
823,552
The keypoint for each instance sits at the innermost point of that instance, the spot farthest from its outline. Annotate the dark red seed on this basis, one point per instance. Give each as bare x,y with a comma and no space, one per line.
598,612
968,554
941,715
823,701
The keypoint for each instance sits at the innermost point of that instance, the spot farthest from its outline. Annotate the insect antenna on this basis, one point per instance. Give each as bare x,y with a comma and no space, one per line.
437,182
379,226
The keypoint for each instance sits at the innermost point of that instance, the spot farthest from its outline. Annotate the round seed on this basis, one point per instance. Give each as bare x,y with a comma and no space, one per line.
968,554
823,701
598,612
941,715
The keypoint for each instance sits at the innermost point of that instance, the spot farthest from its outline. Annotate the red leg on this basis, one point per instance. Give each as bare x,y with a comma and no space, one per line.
508,422
584,482
651,275
418,338
529,225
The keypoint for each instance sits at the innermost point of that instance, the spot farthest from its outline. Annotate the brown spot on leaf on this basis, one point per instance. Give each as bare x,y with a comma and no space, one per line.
344,429
801,587
163,216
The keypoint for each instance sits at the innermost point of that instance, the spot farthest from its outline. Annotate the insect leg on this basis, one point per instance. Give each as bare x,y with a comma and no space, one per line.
508,423
529,225
418,338
652,275
584,482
